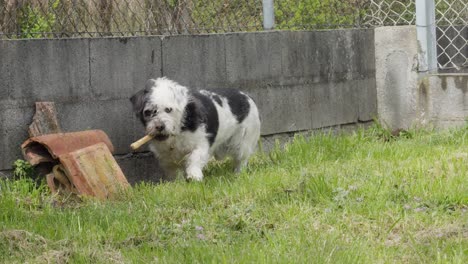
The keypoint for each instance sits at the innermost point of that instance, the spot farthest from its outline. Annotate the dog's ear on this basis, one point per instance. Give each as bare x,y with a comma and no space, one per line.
140,98
150,84
138,101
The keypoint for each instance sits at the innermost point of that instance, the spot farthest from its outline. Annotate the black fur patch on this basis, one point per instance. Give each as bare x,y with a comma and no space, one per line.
217,99
237,101
201,110
140,98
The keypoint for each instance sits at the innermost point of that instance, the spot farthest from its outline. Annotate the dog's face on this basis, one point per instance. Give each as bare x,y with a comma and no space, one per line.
160,107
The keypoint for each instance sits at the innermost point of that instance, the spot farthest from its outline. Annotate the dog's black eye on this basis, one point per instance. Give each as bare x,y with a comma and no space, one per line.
147,113
168,109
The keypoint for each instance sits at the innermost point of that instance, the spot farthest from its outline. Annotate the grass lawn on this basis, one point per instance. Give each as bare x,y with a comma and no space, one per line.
364,197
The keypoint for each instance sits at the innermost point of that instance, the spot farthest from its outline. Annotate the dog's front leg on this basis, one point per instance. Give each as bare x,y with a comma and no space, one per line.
196,160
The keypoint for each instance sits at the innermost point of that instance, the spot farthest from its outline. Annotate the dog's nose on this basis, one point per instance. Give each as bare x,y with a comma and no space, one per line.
160,127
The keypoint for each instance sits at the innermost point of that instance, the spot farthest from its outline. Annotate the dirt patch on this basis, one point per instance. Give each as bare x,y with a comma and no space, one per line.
22,242
53,256
443,233
107,256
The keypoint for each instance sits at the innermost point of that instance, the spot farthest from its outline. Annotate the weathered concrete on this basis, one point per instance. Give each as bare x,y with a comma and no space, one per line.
196,61
335,103
253,59
140,167
407,98
279,105
443,100
300,80
367,99
52,70
396,53
115,117
14,122
120,67
322,75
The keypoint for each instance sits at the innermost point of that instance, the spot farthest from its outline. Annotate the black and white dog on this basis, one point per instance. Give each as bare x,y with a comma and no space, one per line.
189,126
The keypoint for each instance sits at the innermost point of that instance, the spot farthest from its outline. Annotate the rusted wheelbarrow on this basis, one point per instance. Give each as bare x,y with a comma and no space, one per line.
77,162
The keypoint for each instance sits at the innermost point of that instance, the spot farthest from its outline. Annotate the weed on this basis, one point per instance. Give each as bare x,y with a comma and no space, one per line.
22,169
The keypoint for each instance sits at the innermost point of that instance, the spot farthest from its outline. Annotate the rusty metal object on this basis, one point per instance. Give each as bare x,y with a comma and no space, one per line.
77,162
48,148
93,171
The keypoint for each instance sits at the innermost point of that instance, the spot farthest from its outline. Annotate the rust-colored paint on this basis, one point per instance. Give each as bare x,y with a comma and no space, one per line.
50,147
82,162
94,171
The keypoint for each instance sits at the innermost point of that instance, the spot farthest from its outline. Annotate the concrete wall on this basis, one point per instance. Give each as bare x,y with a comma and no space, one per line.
396,60
407,98
443,100
300,80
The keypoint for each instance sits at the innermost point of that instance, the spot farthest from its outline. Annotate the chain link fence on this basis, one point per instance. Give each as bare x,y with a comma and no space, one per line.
390,13
452,33
98,18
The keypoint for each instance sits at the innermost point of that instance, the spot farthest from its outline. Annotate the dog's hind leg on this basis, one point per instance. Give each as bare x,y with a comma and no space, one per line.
242,154
239,164
246,142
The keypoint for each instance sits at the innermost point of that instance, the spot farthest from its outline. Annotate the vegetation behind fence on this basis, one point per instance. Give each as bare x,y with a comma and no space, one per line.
91,18
96,18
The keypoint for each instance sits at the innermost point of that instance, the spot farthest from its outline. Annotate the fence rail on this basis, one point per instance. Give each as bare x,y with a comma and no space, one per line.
96,18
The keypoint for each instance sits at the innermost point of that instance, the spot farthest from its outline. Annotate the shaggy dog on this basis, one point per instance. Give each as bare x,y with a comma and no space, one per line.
189,126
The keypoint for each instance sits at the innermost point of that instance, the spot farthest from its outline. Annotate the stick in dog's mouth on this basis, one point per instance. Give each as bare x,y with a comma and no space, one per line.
137,144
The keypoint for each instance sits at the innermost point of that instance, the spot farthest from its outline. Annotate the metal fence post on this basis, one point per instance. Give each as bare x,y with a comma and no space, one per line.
268,15
426,33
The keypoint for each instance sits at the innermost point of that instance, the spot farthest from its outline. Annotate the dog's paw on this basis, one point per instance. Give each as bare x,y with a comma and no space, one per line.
194,174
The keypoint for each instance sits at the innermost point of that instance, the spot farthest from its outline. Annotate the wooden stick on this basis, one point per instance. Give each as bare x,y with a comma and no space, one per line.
137,144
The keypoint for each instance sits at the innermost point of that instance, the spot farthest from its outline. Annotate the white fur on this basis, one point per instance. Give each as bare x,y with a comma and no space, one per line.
191,151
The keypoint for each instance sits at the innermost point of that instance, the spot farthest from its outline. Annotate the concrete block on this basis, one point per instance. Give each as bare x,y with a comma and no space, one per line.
325,83
334,104
283,108
6,174
5,82
321,56
114,117
48,70
253,58
367,99
121,66
300,53
396,75
140,167
300,81
443,100
363,53
195,61
14,122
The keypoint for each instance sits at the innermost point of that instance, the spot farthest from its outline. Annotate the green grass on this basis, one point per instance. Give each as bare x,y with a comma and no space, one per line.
365,197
